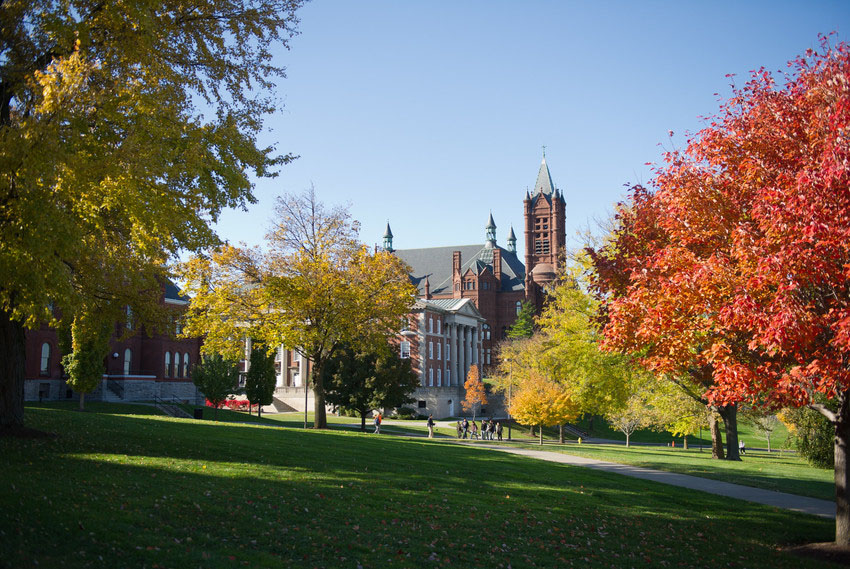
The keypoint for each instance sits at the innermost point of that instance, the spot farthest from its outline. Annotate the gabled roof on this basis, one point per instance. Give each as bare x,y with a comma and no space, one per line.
436,264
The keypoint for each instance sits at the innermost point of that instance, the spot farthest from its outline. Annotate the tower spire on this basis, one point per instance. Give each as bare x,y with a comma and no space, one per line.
491,232
388,239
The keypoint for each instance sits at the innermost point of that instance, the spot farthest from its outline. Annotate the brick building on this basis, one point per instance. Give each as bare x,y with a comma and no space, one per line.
138,367
469,295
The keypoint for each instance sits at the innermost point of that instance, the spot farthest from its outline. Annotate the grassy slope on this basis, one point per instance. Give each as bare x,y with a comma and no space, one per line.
148,491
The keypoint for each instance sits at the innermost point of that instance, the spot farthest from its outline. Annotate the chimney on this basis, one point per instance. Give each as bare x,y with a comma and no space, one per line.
427,289
456,283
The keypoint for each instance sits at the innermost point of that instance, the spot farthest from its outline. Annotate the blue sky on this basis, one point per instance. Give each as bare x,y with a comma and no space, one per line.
432,114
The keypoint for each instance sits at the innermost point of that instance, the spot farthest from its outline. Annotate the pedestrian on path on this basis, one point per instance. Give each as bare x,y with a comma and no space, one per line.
742,447
430,424
378,424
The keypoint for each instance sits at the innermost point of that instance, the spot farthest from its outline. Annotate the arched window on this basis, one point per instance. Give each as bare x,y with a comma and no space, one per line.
518,306
167,364
186,364
45,359
485,332
430,377
176,364
128,360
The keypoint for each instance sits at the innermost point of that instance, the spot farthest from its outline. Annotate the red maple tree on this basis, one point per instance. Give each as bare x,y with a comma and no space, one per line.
738,264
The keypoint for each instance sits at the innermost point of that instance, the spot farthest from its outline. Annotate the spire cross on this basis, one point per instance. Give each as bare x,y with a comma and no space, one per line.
544,151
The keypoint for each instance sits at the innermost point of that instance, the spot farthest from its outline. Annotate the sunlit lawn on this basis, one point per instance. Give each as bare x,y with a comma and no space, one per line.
136,490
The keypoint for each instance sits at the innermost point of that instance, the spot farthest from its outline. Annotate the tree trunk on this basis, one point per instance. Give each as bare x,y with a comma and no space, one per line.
531,430
320,419
259,410
729,414
686,442
842,483
561,434
541,435
716,439
12,372
363,421
82,401
627,440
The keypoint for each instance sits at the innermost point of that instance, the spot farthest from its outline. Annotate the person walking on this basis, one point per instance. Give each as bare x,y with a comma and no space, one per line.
378,424
498,430
459,429
742,447
474,431
465,428
430,424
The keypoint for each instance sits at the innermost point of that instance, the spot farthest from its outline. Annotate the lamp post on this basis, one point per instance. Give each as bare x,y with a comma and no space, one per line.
510,384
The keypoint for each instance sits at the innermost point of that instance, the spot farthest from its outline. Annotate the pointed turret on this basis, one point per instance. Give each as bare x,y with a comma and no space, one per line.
544,183
491,232
512,240
388,239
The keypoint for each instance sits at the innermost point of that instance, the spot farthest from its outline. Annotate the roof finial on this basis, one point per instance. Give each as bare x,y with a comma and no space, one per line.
544,151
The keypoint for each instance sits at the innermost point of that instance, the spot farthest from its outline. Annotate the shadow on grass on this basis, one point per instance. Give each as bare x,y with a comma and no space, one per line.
146,490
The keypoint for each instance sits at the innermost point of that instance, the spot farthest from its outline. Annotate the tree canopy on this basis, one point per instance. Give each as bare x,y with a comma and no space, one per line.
216,377
736,266
261,377
125,128
475,394
368,378
315,288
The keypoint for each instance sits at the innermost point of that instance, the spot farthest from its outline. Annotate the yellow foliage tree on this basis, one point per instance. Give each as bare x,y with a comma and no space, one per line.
315,289
125,129
476,394
542,401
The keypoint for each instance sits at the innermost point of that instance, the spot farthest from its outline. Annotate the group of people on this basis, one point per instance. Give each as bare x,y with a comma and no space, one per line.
490,430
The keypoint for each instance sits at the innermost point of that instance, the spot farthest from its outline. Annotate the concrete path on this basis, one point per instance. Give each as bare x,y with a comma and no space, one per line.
813,506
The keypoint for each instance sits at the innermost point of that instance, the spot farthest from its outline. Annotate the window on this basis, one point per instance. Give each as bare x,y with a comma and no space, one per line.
439,377
518,307
448,377
167,364
128,360
439,326
485,332
176,364
439,345
186,364
129,322
431,350
430,325
404,351
421,404
45,359
178,326
448,352
488,356
486,285
431,377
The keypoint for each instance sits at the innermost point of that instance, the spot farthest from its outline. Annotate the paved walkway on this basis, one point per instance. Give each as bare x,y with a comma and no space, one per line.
813,506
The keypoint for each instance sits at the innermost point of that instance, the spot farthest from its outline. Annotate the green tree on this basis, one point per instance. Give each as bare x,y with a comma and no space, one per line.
125,128
217,378
542,401
90,333
523,326
367,378
315,289
813,434
261,377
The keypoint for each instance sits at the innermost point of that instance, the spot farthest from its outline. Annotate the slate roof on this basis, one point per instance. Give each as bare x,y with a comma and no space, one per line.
436,264
172,292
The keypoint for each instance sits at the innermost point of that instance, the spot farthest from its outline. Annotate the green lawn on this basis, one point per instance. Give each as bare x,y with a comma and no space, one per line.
120,487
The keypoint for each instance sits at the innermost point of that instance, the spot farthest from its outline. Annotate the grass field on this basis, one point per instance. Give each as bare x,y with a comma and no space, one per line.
120,487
